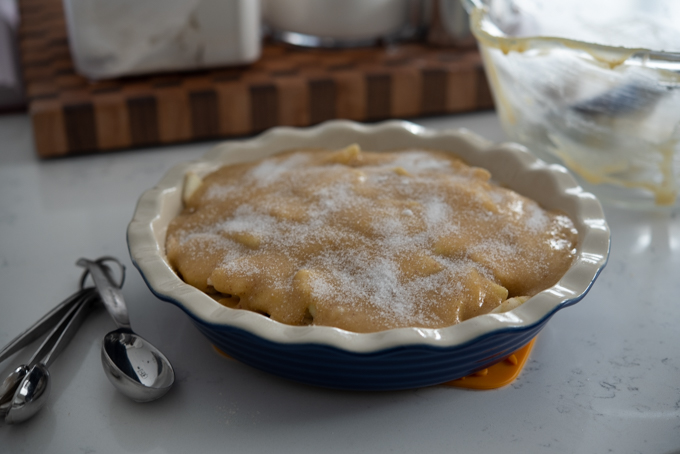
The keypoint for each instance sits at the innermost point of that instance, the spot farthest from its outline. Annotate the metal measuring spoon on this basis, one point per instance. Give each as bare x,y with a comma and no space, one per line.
9,387
35,331
134,366
31,393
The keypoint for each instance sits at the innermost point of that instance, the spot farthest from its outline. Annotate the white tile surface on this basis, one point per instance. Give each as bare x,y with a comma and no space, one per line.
604,375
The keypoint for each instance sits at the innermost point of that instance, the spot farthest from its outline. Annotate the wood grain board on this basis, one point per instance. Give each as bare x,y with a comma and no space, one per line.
287,86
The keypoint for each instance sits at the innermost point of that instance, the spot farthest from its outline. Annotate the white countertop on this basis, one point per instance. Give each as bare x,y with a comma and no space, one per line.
604,375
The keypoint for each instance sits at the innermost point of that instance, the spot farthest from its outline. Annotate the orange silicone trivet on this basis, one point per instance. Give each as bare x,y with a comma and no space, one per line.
500,374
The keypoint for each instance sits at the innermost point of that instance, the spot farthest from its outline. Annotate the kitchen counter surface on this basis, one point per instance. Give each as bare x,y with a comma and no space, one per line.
604,375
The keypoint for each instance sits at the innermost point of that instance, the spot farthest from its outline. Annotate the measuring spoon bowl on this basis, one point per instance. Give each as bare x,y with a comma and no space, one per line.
135,367
30,396
9,387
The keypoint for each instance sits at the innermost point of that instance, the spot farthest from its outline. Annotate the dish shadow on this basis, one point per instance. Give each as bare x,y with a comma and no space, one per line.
248,403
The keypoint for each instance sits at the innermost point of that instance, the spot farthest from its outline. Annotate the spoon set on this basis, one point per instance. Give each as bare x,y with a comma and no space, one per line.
132,364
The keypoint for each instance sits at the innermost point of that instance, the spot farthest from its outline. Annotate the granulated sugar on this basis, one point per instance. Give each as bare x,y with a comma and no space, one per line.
376,242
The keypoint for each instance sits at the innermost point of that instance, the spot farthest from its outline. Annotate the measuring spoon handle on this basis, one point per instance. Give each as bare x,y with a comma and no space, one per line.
46,322
110,294
63,331
68,327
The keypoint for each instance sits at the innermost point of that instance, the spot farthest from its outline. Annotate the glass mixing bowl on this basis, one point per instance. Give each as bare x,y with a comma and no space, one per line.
593,85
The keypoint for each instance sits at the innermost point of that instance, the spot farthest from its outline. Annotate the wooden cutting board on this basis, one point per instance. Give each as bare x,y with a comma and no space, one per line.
287,86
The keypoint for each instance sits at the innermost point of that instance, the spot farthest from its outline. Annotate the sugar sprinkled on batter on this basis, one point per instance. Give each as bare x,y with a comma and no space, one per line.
366,241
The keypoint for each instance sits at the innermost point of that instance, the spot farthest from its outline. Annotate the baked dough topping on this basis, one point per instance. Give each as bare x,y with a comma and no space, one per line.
366,241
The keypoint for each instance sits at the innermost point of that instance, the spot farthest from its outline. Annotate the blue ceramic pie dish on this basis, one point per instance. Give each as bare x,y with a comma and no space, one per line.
394,359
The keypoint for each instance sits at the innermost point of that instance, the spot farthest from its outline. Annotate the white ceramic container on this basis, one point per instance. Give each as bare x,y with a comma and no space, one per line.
111,38
335,23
